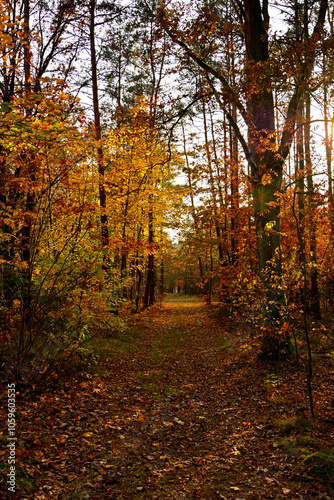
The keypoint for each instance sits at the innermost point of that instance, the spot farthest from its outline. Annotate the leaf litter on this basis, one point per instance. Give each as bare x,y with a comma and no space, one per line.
179,417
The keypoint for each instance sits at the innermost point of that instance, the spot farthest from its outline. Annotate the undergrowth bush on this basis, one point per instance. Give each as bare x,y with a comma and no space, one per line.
48,339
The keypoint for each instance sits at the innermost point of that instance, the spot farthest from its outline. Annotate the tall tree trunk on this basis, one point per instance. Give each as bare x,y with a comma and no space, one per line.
149,297
98,136
266,169
300,193
216,214
234,173
26,49
314,292
30,199
329,151
124,250
138,272
193,208
234,160
162,266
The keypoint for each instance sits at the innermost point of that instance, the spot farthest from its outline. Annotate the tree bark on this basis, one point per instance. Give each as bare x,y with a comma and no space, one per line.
149,297
193,209
314,292
98,134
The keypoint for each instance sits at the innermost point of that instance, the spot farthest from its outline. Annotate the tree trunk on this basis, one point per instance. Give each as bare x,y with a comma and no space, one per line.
149,297
216,215
314,292
300,193
329,150
98,136
193,208
266,169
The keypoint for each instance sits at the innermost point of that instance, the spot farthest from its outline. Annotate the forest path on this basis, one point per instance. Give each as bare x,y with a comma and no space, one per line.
178,411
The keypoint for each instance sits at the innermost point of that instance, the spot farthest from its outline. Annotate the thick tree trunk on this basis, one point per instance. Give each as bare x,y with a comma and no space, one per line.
267,223
266,169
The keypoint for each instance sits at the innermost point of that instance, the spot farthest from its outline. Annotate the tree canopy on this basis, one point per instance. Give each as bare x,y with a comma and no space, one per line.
160,147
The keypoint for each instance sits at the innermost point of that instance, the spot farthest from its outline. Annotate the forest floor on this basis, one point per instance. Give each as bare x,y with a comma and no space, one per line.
178,408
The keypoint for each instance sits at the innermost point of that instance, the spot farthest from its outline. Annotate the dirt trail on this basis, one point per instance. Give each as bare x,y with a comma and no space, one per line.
180,414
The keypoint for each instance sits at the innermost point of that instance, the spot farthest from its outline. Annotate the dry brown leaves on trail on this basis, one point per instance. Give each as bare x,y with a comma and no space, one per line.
186,413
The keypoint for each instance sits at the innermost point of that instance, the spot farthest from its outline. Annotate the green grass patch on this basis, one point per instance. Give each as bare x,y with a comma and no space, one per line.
174,392
168,346
296,446
316,459
298,424
151,388
149,382
321,463
224,345
179,298
122,344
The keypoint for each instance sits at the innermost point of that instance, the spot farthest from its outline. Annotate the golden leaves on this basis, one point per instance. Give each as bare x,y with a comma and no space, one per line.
269,225
266,178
